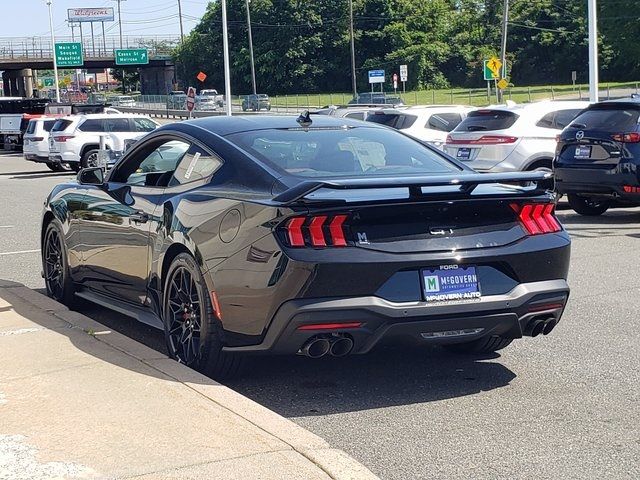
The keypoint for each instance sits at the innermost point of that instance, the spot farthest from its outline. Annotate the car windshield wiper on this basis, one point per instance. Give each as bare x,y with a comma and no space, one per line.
577,125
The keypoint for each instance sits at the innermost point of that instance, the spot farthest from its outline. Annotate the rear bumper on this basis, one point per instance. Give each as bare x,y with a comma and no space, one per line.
32,157
603,183
417,322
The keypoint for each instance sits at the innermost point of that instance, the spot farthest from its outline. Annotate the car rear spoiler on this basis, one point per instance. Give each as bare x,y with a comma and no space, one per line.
466,182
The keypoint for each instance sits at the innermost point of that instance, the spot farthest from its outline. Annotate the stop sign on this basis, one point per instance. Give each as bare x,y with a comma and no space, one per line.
395,81
191,99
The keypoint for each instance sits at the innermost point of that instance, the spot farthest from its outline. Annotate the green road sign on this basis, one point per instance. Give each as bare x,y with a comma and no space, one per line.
48,82
69,54
132,56
488,74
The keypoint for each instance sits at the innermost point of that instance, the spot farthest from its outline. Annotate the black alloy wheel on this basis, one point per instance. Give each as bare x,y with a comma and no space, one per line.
587,206
55,268
193,332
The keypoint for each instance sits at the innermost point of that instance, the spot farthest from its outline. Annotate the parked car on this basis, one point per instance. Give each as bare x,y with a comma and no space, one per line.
75,139
124,101
598,157
376,98
355,112
211,93
430,124
206,104
256,103
36,142
508,138
177,100
250,235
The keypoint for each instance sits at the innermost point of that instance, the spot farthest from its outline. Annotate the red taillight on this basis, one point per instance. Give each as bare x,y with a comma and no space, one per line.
484,140
632,137
330,326
294,232
631,189
63,138
317,231
537,218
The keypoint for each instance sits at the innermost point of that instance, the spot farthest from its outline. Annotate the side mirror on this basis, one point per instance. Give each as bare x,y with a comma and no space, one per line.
91,176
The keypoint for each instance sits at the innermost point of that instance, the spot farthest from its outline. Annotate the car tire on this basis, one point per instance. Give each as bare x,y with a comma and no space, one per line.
90,158
54,167
482,345
587,206
192,331
55,266
75,166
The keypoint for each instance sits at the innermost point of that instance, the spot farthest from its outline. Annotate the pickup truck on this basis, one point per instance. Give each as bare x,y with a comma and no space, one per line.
208,95
15,114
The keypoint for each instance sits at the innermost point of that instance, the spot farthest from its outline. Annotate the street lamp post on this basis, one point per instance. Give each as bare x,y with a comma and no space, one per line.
225,54
53,47
253,67
180,18
593,51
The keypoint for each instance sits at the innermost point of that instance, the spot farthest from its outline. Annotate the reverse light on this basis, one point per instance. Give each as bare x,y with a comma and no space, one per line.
537,218
330,326
316,231
632,137
484,140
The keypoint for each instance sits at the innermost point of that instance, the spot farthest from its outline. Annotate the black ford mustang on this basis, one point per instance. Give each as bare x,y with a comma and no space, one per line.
316,236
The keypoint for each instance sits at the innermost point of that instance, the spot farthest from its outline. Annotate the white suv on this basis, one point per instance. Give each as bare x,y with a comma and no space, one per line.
429,123
508,138
36,142
76,139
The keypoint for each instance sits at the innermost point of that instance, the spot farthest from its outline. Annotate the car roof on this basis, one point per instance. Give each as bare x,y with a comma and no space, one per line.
538,107
99,116
225,125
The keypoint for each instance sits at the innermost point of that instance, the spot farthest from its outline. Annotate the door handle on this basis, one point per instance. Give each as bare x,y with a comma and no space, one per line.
139,217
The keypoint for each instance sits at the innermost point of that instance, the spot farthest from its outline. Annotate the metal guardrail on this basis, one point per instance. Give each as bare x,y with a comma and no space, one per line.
12,48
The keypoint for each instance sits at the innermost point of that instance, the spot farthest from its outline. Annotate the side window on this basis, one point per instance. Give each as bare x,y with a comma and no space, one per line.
31,128
356,115
144,125
444,122
153,167
92,125
565,117
195,165
117,125
548,121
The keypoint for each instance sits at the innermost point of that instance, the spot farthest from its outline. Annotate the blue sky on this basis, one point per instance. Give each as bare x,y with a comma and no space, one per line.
27,18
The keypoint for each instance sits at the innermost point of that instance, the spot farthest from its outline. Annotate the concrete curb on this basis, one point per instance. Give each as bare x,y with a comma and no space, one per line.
336,463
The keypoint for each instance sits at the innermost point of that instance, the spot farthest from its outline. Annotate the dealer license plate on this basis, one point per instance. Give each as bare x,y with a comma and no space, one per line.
450,282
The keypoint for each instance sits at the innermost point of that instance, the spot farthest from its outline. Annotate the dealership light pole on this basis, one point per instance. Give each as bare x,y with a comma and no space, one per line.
593,51
253,67
353,52
53,47
225,54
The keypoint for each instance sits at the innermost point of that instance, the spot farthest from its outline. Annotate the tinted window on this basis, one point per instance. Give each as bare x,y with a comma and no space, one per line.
445,122
31,128
152,167
92,125
356,116
557,120
481,120
144,125
195,165
394,120
117,125
61,125
339,152
609,118
47,125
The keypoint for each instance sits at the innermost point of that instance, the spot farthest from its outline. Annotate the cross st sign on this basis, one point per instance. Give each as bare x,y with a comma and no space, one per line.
132,56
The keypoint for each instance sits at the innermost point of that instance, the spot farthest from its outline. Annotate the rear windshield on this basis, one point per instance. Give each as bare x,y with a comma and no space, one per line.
341,152
610,118
31,128
47,125
61,125
483,120
399,121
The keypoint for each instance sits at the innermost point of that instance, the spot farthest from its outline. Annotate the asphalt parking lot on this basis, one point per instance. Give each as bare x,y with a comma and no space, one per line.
563,406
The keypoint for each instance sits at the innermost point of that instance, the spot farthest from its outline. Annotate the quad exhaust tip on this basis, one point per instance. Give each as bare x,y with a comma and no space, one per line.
316,348
537,326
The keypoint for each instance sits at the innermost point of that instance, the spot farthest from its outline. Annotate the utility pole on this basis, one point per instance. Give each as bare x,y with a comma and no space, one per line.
593,51
353,52
253,67
180,17
120,27
503,48
53,49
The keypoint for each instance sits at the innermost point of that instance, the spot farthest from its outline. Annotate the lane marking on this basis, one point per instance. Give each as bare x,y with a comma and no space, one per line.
19,252
6,226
